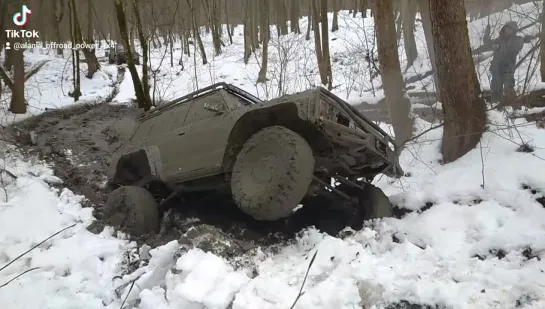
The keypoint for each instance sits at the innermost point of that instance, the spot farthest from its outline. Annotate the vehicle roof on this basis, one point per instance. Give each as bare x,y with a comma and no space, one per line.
247,97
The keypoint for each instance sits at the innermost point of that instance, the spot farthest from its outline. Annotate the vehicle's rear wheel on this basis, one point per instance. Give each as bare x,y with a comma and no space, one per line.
133,209
272,173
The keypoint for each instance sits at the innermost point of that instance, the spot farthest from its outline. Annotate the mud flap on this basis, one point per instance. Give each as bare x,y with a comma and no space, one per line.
132,167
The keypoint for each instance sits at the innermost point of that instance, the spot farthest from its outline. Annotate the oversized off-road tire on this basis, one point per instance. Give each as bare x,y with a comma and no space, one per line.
272,173
133,209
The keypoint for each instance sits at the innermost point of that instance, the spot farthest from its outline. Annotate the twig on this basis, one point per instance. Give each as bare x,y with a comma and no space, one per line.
422,133
482,163
129,292
8,172
304,280
19,275
36,246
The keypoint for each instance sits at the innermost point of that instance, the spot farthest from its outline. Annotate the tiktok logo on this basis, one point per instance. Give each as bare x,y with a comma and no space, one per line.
20,18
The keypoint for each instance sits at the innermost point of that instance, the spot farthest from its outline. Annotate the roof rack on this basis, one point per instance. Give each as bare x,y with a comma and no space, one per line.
204,91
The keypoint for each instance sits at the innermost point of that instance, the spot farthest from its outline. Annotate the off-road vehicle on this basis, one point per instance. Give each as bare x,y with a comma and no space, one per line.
117,55
270,157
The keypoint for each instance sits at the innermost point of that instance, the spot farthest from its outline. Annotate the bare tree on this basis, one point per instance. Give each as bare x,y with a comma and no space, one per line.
408,16
76,93
399,105
424,6
542,44
266,33
464,108
143,99
18,104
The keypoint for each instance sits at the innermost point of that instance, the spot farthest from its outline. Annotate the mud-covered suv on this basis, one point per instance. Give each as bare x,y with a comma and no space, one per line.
270,157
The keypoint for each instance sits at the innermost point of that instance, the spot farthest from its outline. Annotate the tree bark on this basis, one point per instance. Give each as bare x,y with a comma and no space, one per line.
335,22
18,104
542,44
294,16
318,41
399,106
463,106
325,44
265,30
408,16
144,45
138,89
424,6
76,93
90,57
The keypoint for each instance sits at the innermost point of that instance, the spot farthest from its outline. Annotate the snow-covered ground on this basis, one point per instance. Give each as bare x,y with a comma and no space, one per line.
475,240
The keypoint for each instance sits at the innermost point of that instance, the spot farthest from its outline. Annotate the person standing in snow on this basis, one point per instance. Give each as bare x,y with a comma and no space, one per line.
506,49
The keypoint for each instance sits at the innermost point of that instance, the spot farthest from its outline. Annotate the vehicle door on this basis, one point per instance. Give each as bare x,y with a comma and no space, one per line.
203,137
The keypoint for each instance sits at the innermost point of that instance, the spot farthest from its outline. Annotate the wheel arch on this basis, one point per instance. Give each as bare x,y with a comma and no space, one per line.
128,168
286,115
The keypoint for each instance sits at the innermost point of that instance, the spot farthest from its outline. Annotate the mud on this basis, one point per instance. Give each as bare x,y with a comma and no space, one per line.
78,142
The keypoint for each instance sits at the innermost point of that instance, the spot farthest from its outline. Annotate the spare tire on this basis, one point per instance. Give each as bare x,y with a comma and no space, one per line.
133,209
272,173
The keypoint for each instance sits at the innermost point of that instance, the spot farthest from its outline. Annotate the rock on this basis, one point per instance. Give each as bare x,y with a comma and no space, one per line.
96,227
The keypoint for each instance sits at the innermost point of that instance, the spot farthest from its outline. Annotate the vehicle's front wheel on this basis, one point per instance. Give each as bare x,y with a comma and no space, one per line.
133,209
272,173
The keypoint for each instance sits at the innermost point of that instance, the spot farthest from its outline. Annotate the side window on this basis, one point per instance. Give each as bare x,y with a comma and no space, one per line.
201,108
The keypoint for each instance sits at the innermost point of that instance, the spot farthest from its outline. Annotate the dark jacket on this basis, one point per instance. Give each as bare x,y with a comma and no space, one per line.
506,49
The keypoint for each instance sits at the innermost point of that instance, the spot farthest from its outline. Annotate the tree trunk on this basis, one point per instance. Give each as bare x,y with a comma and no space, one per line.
335,22
138,89
463,106
144,44
309,23
57,19
325,44
265,30
408,15
18,104
229,32
76,94
542,44
247,31
196,33
399,106
424,6
318,41
294,16
90,58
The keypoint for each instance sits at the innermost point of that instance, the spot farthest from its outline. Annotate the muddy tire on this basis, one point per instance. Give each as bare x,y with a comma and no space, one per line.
374,203
272,173
133,209
369,203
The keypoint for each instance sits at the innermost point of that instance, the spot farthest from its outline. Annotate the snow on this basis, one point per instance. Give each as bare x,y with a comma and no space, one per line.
465,245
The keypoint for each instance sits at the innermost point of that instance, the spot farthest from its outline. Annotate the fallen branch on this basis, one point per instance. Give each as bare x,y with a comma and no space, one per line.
8,172
304,280
19,275
35,69
36,246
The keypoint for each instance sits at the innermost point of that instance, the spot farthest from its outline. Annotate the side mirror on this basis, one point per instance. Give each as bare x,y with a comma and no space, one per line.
215,107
